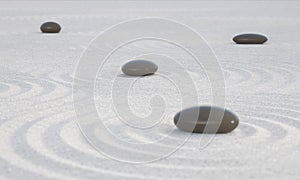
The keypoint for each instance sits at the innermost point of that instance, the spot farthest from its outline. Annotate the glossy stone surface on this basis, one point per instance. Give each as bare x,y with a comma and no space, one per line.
250,39
195,120
139,68
50,27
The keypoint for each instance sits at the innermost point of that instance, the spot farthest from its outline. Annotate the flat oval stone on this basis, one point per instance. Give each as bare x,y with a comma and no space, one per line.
50,27
195,120
139,68
250,39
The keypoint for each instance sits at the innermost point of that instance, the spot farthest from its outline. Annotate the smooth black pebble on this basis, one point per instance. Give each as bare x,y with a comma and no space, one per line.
139,68
195,120
250,39
50,27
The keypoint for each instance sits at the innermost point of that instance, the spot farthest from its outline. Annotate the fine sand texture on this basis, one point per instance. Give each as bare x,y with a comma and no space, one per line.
39,134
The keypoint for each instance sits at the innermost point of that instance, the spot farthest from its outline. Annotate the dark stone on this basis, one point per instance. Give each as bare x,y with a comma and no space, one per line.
139,68
195,119
250,39
50,27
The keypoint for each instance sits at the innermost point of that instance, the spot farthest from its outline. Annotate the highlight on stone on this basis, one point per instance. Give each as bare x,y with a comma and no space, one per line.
50,27
206,119
139,68
250,39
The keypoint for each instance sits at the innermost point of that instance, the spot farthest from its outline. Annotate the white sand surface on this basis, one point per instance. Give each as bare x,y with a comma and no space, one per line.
39,135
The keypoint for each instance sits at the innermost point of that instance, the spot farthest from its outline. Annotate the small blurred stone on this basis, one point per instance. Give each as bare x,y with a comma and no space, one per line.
139,68
50,27
250,39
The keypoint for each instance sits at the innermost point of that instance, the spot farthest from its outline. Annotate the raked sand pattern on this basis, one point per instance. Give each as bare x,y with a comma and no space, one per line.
39,135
